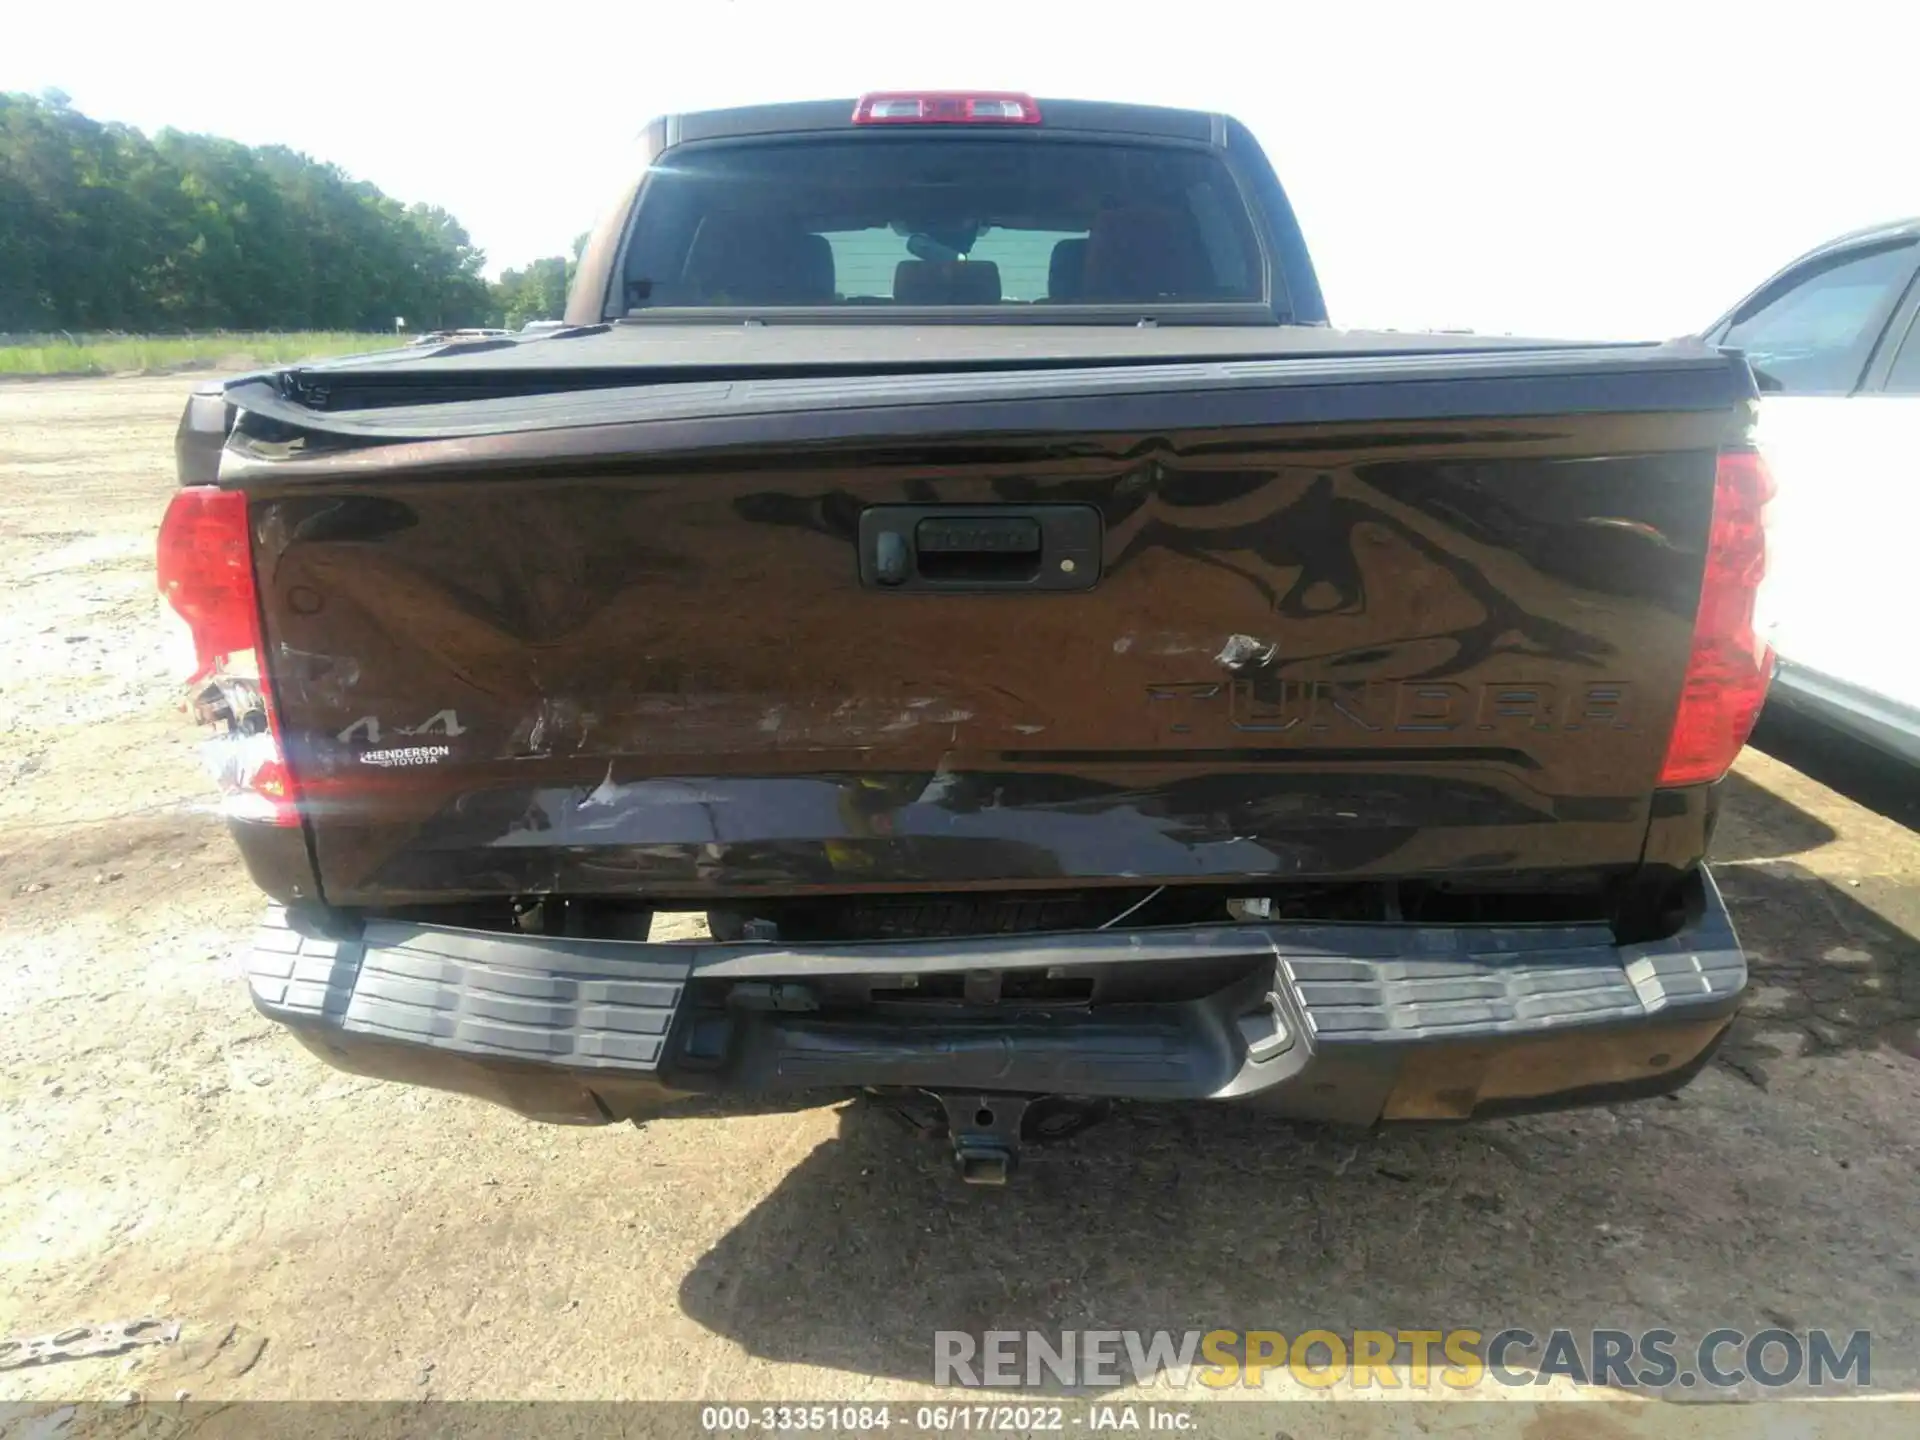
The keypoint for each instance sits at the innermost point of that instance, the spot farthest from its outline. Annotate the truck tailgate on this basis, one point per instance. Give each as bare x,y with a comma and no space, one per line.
1383,619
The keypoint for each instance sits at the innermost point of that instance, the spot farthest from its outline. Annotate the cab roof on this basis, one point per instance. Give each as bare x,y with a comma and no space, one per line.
812,117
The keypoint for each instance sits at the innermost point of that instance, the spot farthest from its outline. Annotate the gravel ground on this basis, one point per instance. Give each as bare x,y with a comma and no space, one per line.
163,1150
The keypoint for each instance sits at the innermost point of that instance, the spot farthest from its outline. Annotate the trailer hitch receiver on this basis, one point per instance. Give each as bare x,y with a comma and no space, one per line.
986,1134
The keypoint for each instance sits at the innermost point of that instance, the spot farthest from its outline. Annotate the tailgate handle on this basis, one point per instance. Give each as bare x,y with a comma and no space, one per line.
978,535
1003,548
945,547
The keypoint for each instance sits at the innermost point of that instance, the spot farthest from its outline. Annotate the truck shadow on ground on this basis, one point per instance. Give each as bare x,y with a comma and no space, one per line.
112,863
1826,972
1831,967
1219,1218
1880,782
1756,824
1760,1196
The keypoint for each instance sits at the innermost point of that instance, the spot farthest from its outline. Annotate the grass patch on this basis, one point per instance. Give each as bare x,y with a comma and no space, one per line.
224,349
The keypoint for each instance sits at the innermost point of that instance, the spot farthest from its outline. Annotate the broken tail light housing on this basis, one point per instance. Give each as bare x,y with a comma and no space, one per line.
205,569
946,107
1730,663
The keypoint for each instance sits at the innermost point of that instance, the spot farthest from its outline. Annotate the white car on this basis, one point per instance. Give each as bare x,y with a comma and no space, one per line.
1835,345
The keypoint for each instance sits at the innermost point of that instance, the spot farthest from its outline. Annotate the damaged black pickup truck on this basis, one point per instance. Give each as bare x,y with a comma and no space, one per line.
948,547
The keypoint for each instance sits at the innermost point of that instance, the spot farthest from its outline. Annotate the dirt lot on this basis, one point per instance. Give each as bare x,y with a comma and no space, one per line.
163,1150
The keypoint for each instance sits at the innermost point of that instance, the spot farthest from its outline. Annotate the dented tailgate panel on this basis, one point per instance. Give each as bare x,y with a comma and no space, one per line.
1394,650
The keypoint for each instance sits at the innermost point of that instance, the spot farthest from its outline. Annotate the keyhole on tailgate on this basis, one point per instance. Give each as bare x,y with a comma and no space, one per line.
890,557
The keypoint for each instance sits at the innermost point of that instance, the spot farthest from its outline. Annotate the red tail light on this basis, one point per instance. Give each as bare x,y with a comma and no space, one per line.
205,568
946,107
1730,664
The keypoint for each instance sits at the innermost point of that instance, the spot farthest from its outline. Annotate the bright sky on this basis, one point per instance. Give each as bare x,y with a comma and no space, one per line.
1609,170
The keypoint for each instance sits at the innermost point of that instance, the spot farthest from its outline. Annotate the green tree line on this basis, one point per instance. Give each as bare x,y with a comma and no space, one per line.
104,228
538,292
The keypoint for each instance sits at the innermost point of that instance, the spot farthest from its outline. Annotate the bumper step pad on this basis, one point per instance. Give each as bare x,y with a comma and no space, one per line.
581,1004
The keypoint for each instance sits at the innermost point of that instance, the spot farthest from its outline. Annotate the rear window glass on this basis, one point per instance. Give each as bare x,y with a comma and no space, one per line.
940,219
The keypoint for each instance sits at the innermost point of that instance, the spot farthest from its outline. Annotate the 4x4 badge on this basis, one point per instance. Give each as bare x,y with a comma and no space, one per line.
367,728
